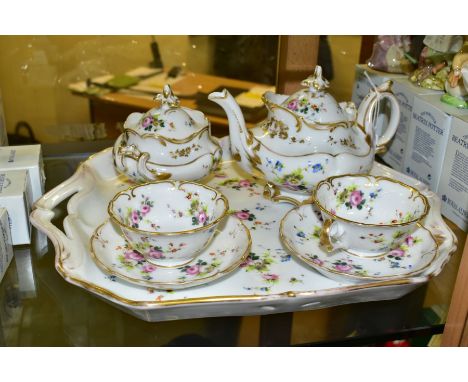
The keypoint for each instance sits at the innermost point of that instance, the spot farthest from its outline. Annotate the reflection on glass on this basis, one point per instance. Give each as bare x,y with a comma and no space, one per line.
48,81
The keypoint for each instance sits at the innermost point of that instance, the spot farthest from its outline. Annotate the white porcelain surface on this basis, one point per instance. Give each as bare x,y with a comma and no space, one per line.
308,136
270,281
166,136
300,231
137,167
223,255
368,214
169,222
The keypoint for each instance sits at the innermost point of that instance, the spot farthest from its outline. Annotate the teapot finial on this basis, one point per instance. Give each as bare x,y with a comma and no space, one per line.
167,98
316,82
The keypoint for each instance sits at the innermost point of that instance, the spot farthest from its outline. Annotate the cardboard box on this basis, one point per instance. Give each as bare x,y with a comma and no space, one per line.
28,157
427,141
6,249
453,184
361,84
15,194
405,91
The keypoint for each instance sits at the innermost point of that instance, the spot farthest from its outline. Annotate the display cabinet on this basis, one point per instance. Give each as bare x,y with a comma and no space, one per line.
39,308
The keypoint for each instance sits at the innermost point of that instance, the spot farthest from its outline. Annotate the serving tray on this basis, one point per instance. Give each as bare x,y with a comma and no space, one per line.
271,280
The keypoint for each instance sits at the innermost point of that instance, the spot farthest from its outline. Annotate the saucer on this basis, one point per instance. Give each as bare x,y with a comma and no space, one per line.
228,249
300,232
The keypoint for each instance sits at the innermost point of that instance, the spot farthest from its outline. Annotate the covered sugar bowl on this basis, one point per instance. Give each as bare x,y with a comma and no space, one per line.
166,142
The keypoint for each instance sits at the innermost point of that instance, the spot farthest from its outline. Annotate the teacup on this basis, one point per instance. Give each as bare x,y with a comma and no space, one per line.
168,222
368,215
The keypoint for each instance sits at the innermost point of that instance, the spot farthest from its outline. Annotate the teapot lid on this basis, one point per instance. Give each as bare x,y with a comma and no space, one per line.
169,120
313,103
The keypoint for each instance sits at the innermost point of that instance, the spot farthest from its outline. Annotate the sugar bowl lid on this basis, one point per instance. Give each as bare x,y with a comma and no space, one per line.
169,120
313,103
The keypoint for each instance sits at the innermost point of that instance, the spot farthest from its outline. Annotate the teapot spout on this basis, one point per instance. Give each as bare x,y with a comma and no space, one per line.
240,138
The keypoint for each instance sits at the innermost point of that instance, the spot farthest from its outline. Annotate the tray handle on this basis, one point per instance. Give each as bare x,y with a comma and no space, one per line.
43,213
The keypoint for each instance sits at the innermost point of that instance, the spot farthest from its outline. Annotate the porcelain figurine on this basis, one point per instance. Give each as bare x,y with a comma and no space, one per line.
456,85
169,142
168,222
435,61
308,136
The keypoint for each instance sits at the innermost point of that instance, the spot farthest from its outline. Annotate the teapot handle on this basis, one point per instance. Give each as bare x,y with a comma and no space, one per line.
390,130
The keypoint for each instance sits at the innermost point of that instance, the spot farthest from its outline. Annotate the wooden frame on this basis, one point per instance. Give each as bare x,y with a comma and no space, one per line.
297,57
456,326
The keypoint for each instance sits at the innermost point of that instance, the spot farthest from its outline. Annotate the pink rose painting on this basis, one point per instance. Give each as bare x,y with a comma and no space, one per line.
343,267
133,255
244,183
134,217
155,254
145,209
242,215
293,105
202,217
270,277
317,261
355,198
409,241
193,270
147,121
247,262
148,268
397,252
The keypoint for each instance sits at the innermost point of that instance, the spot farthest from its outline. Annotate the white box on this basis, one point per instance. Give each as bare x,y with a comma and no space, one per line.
6,249
3,130
29,158
15,195
427,140
405,91
453,185
362,86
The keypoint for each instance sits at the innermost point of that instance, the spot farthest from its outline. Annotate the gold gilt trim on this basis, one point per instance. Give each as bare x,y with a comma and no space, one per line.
163,140
330,126
218,196
218,274
103,292
137,157
272,192
414,195
369,151
289,246
91,287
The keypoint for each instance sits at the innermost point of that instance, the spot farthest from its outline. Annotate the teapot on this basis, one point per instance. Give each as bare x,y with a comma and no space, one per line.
166,142
308,136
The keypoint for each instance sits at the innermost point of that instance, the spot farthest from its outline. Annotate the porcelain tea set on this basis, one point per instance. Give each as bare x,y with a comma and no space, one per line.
310,150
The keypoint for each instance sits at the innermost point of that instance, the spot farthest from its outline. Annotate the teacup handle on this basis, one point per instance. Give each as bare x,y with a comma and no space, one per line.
328,238
381,144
